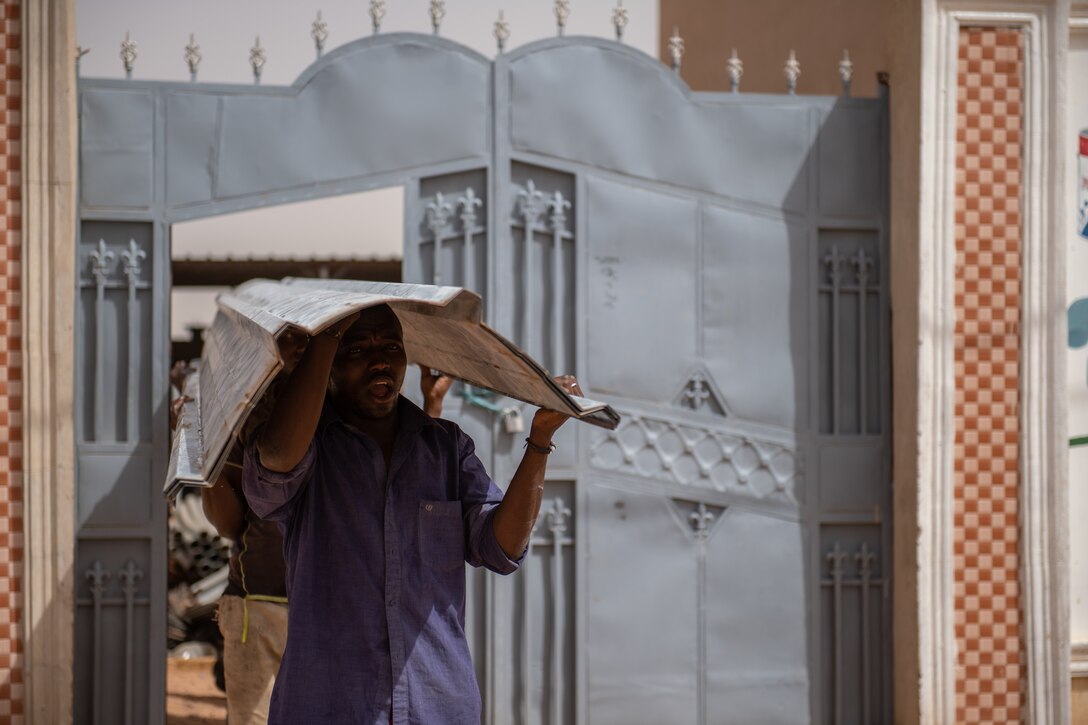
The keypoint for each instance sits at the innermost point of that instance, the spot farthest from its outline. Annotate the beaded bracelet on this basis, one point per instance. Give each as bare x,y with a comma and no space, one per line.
542,450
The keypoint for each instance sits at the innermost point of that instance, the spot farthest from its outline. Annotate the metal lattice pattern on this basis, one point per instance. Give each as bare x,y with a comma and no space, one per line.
699,456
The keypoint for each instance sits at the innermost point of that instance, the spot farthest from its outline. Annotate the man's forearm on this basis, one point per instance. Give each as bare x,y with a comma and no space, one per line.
289,430
516,515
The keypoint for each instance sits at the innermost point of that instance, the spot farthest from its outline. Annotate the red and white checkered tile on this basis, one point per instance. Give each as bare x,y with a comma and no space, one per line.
11,426
987,348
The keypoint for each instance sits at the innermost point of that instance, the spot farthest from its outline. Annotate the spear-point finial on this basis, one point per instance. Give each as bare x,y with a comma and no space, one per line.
257,58
676,48
619,19
377,12
792,71
502,31
735,67
846,71
80,52
128,54
438,11
193,57
319,31
562,12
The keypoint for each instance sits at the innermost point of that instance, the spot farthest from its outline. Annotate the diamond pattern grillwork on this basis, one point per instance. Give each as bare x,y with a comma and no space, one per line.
701,457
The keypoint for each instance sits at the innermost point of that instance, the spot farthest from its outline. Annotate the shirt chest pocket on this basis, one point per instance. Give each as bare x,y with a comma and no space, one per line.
441,535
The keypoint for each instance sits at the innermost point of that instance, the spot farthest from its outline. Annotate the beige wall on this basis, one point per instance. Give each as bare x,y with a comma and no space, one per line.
763,33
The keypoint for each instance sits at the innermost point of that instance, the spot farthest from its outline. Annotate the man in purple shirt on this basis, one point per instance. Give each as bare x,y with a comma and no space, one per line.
380,506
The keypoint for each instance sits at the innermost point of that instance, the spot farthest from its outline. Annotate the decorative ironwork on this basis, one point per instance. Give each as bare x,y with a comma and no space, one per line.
562,13
700,392
438,11
193,57
619,20
558,207
377,13
101,260
676,49
792,71
128,55
701,455
469,203
80,52
130,259
701,519
97,577
866,560
735,68
319,31
835,559
557,517
502,31
697,391
257,58
438,218
130,577
530,205
866,582
846,71
834,263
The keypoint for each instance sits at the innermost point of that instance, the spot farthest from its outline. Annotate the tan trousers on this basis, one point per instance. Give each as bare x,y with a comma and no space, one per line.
250,667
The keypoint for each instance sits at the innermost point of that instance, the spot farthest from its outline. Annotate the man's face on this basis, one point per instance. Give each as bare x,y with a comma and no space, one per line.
370,363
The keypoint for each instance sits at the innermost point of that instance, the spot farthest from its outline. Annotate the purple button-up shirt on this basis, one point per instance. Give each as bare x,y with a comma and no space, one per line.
375,572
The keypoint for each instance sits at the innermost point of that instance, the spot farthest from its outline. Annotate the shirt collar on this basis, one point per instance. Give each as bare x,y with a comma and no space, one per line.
411,416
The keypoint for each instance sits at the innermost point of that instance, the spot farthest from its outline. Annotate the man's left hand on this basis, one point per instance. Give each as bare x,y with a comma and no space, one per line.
547,422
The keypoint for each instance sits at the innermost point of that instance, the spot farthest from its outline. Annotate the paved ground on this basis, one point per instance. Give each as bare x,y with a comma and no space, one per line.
191,695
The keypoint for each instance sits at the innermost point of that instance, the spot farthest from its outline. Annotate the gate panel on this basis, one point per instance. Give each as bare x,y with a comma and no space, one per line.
755,629
754,313
642,652
542,231
641,328
121,524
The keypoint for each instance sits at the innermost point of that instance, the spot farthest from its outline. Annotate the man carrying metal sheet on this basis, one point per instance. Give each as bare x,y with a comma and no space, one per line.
380,506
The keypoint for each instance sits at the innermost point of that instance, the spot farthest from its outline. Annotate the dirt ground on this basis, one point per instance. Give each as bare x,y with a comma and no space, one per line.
191,695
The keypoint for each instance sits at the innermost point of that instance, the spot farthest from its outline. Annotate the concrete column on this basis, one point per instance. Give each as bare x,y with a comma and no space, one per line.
48,303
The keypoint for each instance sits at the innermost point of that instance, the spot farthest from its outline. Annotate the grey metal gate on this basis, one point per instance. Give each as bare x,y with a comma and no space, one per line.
714,265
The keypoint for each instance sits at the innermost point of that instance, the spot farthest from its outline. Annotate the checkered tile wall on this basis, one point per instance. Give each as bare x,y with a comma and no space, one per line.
989,672
11,497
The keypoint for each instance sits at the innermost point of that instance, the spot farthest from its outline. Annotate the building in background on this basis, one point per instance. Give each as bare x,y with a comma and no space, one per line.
987,266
